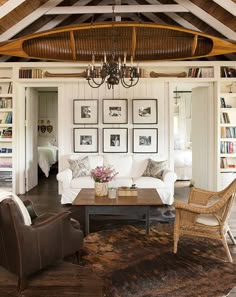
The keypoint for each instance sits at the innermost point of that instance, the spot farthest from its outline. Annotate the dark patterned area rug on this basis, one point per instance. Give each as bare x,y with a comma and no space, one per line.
133,264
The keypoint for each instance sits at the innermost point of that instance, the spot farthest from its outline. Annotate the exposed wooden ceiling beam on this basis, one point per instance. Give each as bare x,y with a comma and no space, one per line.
228,5
9,6
208,19
176,18
29,19
117,9
61,18
151,16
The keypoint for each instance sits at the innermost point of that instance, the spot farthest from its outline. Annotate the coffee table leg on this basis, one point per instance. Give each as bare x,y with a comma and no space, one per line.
86,220
147,220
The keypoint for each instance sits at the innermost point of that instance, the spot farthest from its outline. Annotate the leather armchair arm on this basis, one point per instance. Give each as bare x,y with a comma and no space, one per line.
51,220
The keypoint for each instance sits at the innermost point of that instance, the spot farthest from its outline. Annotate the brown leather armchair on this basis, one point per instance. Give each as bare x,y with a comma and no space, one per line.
25,250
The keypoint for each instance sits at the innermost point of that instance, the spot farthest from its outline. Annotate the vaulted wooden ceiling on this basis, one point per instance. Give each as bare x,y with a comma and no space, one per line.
21,17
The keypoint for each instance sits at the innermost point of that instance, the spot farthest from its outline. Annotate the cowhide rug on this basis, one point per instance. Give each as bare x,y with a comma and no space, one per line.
133,264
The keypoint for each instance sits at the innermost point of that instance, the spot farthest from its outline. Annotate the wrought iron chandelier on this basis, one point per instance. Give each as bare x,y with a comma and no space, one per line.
113,73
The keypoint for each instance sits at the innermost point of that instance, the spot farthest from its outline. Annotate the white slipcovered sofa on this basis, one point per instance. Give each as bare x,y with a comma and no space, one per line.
130,169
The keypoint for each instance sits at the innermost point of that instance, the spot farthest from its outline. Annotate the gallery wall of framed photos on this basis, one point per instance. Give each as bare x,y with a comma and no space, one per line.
119,130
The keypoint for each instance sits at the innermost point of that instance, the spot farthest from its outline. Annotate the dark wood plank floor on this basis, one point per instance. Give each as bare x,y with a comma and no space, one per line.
64,279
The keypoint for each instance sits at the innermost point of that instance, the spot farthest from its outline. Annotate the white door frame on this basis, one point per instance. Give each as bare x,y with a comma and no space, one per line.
20,135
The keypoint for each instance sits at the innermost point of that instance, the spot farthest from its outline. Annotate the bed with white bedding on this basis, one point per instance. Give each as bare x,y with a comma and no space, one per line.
183,164
47,156
47,153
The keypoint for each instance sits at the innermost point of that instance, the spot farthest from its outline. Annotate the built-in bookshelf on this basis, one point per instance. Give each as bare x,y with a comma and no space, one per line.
226,71
6,128
227,142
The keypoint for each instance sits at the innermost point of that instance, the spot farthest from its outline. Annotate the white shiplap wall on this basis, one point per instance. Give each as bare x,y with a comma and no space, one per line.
145,89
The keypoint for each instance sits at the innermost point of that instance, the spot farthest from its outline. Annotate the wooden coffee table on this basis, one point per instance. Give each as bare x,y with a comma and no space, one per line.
119,206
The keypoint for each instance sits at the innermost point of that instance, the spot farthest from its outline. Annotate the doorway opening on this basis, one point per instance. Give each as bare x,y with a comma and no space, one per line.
41,134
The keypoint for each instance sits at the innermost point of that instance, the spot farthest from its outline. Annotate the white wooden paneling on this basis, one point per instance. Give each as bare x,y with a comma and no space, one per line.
31,138
146,89
203,138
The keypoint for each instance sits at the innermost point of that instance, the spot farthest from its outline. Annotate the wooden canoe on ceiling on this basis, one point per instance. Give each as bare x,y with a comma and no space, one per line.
143,41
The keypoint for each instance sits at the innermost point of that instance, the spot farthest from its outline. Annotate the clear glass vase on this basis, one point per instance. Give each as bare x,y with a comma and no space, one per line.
101,189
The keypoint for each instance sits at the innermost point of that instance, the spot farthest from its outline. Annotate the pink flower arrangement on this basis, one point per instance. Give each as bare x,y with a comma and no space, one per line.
103,174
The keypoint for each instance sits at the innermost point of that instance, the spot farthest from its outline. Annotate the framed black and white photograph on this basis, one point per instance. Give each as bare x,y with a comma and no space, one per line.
115,140
115,111
145,140
85,111
85,140
144,111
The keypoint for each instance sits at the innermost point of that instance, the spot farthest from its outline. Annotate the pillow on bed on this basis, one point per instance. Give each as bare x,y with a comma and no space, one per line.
80,167
155,168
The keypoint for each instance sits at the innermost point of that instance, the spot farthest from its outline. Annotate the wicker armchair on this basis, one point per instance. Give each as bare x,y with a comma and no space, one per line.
205,215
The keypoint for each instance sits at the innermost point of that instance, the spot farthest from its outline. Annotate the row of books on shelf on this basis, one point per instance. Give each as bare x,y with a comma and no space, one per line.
5,150
228,147
5,103
6,117
30,73
228,72
201,72
5,163
223,104
224,118
5,177
6,132
228,132
224,163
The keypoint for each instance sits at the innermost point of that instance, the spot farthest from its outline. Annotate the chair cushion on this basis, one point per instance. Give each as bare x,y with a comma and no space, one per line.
19,203
207,219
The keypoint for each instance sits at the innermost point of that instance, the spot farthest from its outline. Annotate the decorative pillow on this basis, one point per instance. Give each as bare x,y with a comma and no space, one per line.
155,168
80,167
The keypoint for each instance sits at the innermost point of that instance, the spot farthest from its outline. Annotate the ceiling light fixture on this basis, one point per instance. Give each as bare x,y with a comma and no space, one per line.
114,71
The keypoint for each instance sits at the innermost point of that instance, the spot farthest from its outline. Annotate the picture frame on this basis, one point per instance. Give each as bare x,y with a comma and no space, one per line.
115,140
144,111
85,111
115,111
145,140
85,140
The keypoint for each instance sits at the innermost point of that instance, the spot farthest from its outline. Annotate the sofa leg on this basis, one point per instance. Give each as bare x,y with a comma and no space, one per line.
21,284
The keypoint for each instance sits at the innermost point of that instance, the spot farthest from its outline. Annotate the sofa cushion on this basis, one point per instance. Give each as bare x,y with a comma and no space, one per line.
139,165
95,161
155,168
148,182
82,182
122,182
121,163
79,167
